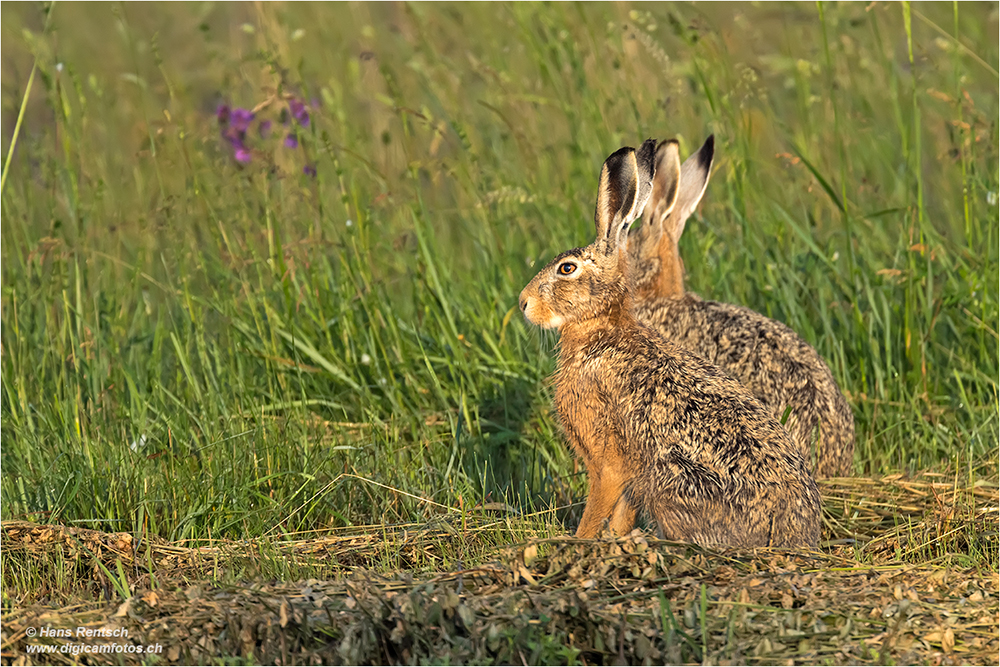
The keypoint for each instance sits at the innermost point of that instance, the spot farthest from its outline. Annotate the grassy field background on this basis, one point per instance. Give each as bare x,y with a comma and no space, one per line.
197,348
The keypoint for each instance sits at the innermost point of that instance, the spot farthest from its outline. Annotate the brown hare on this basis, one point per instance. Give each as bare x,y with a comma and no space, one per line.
659,428
783,371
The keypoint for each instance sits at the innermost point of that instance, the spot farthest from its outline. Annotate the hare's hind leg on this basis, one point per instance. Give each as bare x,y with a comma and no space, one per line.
706,522
673,522
797,518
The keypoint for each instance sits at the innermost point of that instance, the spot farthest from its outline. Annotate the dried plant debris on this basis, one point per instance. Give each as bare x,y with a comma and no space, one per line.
611,601
403,547
562,600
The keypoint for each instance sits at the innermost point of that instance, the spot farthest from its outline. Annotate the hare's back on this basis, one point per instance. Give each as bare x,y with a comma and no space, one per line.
711,464
774,362
694,418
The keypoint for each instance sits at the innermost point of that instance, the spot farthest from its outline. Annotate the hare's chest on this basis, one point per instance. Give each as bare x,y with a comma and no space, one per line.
590,418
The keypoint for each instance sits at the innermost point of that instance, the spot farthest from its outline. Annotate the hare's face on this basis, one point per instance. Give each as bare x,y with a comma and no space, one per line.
589,284
577,285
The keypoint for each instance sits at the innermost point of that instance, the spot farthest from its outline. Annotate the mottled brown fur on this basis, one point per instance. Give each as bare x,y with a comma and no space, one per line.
659,428
772,361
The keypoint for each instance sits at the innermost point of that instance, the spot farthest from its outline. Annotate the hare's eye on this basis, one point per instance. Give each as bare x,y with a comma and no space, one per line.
567,269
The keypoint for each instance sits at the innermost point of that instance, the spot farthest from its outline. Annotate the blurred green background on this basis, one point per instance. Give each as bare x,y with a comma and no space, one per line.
200,347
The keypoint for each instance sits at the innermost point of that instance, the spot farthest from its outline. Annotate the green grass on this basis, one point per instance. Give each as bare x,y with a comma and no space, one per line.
304,353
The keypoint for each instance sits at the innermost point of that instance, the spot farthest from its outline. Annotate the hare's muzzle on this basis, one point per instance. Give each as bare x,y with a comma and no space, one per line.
526,303
538,312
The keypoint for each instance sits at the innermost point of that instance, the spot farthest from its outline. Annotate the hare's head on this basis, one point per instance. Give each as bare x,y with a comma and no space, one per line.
677,189
588,283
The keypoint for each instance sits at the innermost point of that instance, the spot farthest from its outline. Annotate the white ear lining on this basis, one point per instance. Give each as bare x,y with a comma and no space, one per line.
643,191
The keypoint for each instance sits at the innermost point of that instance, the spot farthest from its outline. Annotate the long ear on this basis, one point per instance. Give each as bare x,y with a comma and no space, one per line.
694,176
626,183
666,183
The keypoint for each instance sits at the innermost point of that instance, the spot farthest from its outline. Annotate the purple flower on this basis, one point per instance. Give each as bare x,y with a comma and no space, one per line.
265,129
299,112
241,119
234,136
242,154
222,114
309,170
291,141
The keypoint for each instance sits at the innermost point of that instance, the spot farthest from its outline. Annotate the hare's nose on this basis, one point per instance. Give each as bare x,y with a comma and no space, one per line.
523,303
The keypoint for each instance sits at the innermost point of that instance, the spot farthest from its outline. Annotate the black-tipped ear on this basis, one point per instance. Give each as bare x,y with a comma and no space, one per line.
706,154
666,182
617,186
626,183
695,172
